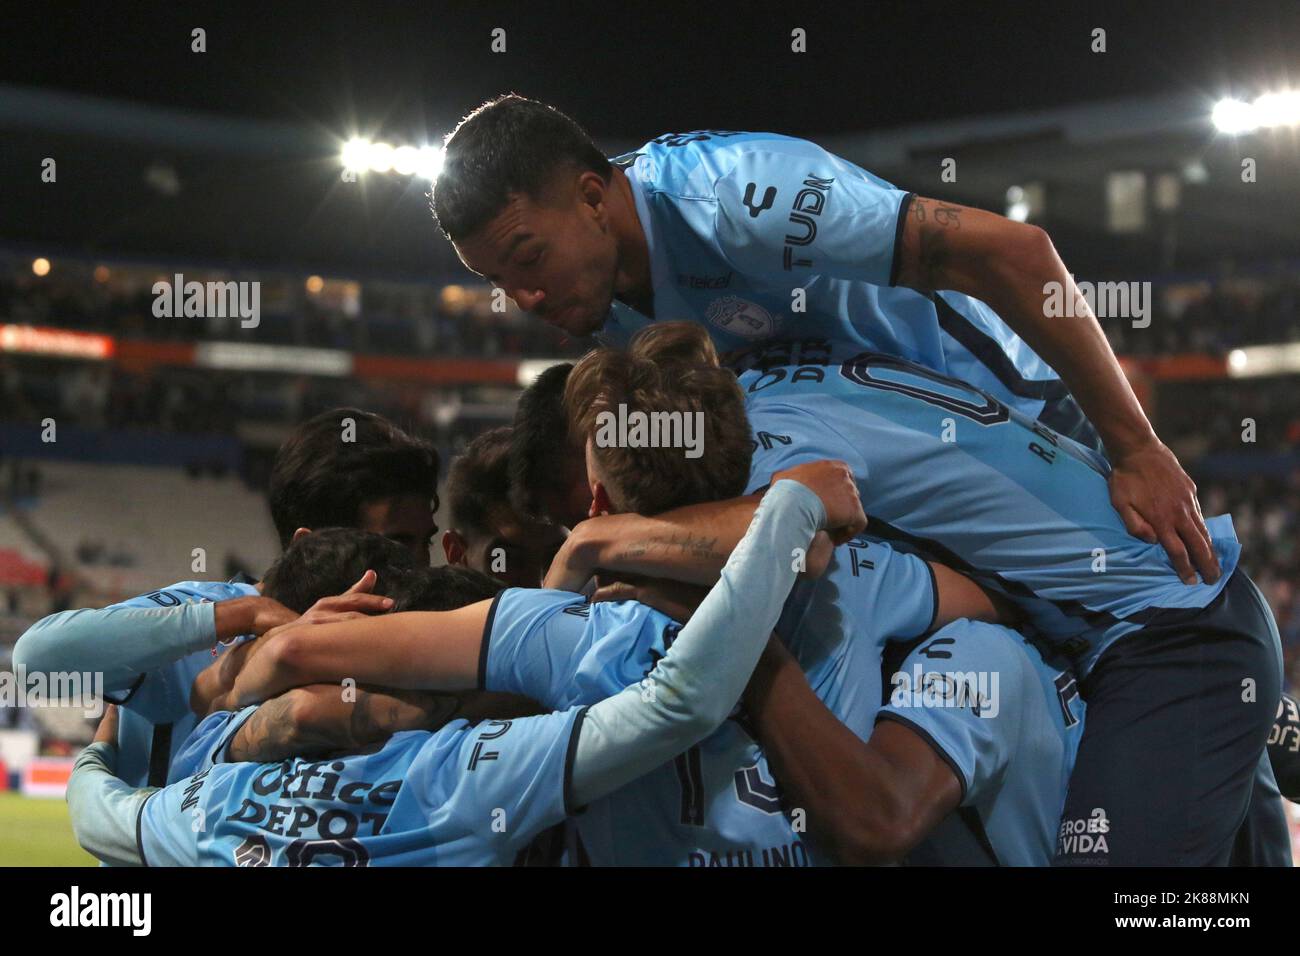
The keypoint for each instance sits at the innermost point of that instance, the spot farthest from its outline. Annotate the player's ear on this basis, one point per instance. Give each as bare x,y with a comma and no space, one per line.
454,547
599,501
299,533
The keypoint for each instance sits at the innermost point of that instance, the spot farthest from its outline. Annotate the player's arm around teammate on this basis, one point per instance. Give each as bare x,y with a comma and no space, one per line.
1009,265
624,736
691,544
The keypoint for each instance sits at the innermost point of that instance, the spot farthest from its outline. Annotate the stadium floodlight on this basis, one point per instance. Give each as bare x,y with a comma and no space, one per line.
41,266
356,155
429,164
1269,110
380,157
1233,116
405,159
1278,109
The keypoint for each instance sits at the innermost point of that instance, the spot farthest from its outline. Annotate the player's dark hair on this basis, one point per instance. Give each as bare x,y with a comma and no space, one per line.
539,443
330,560
510,144
338,460
450,586
479,480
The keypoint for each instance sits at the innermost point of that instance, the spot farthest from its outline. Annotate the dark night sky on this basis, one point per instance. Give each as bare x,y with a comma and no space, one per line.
635,69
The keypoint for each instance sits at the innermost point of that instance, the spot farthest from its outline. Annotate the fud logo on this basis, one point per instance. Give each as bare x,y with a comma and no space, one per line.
741,317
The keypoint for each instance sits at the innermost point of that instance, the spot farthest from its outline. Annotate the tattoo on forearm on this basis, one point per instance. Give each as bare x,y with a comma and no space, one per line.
674,545
265,736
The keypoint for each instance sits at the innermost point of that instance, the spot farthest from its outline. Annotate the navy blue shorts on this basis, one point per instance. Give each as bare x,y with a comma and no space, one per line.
1178,717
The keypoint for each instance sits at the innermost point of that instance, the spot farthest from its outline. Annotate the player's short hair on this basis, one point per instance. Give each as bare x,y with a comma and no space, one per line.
450,586
331,560
510,144
478,481
336,461
540,447
667,367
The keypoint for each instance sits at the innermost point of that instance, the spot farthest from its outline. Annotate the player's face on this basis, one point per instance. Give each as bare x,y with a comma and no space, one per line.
406,519
519,552
556,257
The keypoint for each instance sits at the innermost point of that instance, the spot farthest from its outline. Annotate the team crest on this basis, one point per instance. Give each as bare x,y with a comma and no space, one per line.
741,317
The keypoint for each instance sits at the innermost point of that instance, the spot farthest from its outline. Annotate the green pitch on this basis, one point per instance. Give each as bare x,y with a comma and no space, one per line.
37,832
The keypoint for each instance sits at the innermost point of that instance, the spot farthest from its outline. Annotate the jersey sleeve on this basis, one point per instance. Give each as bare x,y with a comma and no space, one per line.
533,643
788,209
785,436
208,743
149,648
961,690
902,602
511,780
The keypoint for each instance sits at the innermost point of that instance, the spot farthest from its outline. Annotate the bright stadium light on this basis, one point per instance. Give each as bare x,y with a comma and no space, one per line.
380,157
429,164
1237,361
1270,110
1233,116
41,267
405,159
356,154
1278,109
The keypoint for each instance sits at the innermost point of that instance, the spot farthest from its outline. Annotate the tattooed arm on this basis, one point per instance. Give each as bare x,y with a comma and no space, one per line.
688,544
1008,265
314,721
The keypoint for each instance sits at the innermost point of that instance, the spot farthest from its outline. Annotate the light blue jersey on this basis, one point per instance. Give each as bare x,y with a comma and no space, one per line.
465,795
735,222
1008,723
717,804
951,472
155,706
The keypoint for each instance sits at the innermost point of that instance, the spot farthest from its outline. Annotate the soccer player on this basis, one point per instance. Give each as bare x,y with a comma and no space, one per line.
953,473
484,531
547,477
758,237
465,794
342,467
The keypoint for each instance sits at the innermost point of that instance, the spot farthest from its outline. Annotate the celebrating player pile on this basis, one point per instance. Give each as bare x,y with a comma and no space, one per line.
1030,649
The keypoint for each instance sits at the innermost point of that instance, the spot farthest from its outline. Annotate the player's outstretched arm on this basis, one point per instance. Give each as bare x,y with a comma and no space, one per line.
413,650
320,719
689,544
1009,265
695,686
867,803
103,808
122,642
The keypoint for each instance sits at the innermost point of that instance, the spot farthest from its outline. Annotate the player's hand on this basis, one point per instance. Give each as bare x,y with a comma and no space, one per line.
570,570
1157,502
832,482
356,601
819,555
674,598
106,732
